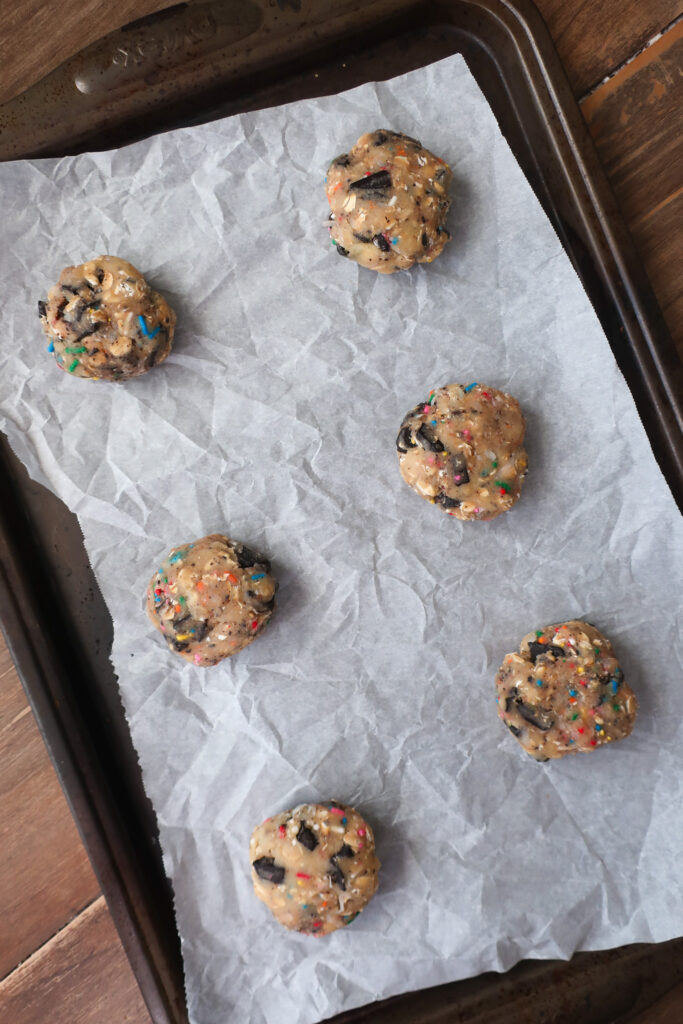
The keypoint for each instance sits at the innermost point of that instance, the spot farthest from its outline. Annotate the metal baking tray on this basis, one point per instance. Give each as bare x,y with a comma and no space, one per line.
190,64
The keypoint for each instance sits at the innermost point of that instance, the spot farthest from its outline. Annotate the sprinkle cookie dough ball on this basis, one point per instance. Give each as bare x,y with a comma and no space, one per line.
211,598
462,450
104,321
565,692
389,200
314,867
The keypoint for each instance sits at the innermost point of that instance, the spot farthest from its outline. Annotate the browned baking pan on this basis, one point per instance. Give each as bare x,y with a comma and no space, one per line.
190,64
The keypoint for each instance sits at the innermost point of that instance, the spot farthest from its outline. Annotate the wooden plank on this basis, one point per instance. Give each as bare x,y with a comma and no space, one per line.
594,38
46,878
81,976
636,120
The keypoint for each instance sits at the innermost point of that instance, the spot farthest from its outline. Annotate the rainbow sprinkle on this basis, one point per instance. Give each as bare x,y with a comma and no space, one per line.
470,386
145,329
51,347
73,366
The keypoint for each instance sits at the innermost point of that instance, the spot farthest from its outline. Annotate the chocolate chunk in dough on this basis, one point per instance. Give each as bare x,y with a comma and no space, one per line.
560,703
207,603
105,322
306,837
462,450
268,870
392,193
314,894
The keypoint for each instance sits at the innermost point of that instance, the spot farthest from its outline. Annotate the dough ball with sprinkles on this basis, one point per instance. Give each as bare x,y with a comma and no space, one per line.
565,692
461,449
388,202
315,867
211,598
104,322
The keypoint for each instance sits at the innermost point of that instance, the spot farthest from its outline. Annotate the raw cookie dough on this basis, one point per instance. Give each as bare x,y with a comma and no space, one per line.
389,200
462,450
105,322
314,867
564,692
211,598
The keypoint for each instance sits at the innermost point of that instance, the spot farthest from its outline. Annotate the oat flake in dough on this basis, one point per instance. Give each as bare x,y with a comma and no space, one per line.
211,598
565,692
315,867
104,321
388,201
462,450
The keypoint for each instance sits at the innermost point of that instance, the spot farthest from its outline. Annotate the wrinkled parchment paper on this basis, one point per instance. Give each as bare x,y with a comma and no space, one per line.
274,420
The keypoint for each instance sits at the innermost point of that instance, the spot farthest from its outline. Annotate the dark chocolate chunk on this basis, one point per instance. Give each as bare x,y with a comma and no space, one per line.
342,161
460,474
362,238
69,288
246,557
345,851
404,441
86,332
440,174
341,250
446,502
336,874
379,181
510,699
513,729
380,138
381,243
408,138
179,645
268,870
42,308
60,307
425,240
536,650
99,274
306,837
539,717
426,439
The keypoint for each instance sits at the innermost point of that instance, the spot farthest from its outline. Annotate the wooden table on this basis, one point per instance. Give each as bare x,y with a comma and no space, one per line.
60,958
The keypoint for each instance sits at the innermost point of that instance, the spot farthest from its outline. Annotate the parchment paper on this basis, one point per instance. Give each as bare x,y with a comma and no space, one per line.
274,420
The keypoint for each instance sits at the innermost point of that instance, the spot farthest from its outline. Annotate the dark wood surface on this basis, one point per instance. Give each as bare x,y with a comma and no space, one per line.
60,958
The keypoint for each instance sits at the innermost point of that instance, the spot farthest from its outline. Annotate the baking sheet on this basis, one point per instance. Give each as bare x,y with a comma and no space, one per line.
274,420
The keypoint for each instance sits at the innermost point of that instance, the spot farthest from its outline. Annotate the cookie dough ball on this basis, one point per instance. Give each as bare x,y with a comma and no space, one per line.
211,598
389,200
565,692
314,867
462,450
105,322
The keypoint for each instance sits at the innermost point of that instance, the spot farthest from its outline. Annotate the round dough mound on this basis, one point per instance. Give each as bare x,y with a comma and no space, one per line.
462,450
211,598
565,692
314,867
389,200
105,322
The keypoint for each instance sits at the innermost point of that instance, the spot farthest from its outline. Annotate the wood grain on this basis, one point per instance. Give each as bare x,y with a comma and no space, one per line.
594,37
46,878
81,976
636,120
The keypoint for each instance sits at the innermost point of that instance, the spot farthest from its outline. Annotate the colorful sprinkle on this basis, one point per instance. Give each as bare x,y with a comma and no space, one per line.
145,329
505,488
539,634
470,386
339,811
282,830
572,693
254,624
51,347
615,685
574,717
539,682
302,874
360,831
76,351
432,397
73,366
257,576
